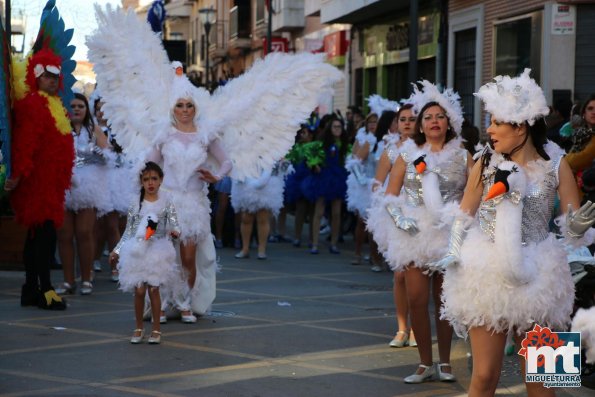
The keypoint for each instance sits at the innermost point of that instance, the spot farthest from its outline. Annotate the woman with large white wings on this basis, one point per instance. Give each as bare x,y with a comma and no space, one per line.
242,129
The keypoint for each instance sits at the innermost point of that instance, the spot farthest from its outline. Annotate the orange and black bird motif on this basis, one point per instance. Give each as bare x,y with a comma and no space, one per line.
501,185
151,227
420,164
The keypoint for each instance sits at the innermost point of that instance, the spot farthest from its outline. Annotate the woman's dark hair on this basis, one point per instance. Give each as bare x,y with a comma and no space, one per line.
404,107
420,138
328,139
149,166
88,122
584,107
470,134
538,134
112,139
384,123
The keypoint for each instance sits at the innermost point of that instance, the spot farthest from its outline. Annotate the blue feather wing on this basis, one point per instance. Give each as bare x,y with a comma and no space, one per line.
5,104
54,35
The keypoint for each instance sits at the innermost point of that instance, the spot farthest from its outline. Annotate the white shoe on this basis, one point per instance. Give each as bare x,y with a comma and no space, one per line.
428,372
115,276
155,338
135,340
86,288
188,318
97,266
445,376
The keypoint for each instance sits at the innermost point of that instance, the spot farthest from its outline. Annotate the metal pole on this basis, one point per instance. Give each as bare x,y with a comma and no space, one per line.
442,45
8,24
208,72
413,32
270,27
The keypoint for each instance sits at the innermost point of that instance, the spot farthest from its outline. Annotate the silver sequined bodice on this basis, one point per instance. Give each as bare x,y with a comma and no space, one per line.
167,221
452,176
86,152
538,203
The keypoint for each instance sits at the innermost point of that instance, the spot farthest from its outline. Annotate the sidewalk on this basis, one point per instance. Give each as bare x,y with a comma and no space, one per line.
293,325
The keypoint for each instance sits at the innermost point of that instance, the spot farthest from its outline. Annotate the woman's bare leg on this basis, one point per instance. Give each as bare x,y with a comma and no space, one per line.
188,257
263,225
84,224
113,231
533,389
488,352
443,329
315,222
400,299
223,202
139,305
246,230
335,221
418,298
359,235
155,299
301,206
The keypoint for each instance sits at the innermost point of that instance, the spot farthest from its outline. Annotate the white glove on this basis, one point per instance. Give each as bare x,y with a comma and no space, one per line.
458,232
406,224
580,221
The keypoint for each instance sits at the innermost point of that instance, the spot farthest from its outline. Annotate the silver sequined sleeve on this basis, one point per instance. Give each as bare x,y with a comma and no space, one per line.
130,220
172,217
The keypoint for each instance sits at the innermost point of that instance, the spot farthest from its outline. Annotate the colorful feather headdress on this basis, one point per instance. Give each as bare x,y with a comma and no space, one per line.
50,52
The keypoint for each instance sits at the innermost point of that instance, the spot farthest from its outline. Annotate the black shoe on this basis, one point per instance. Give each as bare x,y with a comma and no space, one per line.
30,295
51,301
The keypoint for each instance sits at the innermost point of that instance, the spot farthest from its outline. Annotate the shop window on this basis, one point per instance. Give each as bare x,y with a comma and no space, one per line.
397,81
426,69
260,12
359,87
371,80
464,68
518,45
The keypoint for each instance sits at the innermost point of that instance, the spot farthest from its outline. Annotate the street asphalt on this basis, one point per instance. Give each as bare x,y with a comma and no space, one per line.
295,324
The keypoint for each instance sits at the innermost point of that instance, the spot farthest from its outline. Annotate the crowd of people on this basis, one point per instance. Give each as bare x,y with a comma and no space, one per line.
468,226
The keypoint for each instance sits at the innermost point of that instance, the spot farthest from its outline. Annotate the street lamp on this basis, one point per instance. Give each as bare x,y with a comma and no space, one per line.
207,18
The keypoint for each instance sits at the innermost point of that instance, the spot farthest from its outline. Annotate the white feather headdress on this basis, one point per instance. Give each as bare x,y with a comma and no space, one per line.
449,100
182,88
514,99
379,104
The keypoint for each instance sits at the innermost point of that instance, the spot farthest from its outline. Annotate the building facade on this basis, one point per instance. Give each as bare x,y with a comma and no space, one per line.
497,37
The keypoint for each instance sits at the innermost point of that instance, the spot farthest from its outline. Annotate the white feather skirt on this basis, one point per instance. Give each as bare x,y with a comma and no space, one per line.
477,292
244,197
584,322
359,197
89,189
398,247
123,189
194,213
151,262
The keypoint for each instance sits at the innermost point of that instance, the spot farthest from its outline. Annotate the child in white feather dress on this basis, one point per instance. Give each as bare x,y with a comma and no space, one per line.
145,253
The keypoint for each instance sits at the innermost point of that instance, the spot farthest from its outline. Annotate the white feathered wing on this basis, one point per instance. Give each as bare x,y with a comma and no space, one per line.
257,114
134,75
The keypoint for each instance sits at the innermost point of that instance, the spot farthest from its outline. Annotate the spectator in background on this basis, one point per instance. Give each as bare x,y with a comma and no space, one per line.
568,129
559,115
582,151
354,122
470,135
